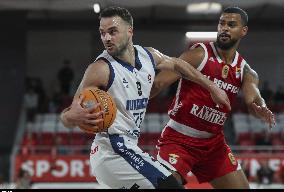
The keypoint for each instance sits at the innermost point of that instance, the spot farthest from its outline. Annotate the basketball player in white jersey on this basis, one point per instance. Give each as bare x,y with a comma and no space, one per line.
127,72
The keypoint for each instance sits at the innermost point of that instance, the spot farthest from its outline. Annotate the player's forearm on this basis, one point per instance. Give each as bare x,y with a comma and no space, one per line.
258,101
159,84
187,71
65,120
156,89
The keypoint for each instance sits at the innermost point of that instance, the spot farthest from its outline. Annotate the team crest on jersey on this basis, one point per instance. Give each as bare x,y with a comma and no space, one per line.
173,158
225,71
238,72
232,159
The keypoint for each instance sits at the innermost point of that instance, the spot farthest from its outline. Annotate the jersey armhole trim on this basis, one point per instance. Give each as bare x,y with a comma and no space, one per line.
204,61
151,57
111,74
243,63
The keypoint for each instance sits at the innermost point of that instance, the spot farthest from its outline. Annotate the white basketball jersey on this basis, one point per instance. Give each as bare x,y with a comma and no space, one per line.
130,88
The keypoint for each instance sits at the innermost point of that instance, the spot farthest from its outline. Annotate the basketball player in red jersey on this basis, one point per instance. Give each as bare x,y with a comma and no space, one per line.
193,139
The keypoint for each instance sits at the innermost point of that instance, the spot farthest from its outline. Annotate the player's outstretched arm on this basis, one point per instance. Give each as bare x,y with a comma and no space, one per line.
96,75
165,77
187,71
162,80
255,103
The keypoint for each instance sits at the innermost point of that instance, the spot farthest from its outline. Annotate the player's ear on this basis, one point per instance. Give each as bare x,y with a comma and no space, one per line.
244,31
130,30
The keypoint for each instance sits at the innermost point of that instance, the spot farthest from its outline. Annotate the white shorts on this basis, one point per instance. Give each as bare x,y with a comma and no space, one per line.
117,162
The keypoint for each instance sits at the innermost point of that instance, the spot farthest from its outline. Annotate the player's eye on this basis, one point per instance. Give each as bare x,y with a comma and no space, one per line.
232,24
102,33
112,32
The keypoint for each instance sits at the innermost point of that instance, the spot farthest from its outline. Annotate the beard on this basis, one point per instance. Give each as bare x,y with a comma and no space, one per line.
226,45
120,49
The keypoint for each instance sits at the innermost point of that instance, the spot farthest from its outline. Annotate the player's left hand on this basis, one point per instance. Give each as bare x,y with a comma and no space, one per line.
264,114
220,97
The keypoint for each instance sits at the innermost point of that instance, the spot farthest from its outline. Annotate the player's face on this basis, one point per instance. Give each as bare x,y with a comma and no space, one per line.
115,34
230,30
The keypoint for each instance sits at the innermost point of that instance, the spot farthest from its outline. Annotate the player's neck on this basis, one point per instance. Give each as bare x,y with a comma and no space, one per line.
128,55
227,56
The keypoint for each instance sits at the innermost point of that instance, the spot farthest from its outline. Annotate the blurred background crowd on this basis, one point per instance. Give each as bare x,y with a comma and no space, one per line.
46,47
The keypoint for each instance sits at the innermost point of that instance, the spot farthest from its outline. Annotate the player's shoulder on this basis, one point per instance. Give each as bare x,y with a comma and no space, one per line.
100,62
197,49
144,51
152,50
155,54
194,55
98,66
97,74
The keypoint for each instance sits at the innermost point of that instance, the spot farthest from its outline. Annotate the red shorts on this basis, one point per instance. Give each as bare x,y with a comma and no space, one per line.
207,159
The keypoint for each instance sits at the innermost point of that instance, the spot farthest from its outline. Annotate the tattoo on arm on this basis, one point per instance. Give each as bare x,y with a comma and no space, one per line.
249,70
253,79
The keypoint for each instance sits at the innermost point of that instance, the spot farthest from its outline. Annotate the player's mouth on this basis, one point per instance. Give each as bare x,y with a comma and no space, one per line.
109,46
224,37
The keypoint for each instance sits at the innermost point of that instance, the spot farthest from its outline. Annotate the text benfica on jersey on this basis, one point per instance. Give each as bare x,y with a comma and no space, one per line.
193,105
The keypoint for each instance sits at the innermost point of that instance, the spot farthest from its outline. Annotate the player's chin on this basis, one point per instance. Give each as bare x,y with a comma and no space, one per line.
111,50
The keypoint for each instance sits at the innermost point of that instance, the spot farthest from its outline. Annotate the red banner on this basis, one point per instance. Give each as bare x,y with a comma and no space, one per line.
65,168
76,168
253,161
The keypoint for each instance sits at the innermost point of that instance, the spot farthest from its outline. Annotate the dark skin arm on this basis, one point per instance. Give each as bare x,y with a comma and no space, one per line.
188,62
187,71
255,103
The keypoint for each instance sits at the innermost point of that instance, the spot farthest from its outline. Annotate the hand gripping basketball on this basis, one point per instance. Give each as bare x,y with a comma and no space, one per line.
107,104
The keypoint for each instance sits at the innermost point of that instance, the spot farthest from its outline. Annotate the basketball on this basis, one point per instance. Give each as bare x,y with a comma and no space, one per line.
107,104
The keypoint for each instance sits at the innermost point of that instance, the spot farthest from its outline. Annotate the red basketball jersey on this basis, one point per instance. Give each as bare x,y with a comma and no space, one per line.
193,105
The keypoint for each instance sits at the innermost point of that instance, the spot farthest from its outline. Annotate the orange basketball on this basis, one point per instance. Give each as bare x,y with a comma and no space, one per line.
107,104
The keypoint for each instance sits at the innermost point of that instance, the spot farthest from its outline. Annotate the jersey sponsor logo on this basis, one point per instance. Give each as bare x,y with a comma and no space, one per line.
94,150
119,144
226,86
238,72
208,114
173,158
176,108
211,59
225,71
149,78
125,83
134,133
137,160
232,159
136,104
135,186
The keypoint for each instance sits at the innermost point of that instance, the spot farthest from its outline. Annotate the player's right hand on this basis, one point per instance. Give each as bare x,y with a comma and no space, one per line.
220,97
263,113
77,115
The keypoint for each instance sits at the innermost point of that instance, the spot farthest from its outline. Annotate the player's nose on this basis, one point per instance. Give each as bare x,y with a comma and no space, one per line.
107,37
